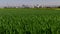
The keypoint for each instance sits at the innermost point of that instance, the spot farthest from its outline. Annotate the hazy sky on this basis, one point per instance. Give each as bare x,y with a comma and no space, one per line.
19,2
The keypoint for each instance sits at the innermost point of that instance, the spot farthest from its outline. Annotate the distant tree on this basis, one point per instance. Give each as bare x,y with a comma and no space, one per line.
9,7
25,6
40,6
58,7
5,7
48,7
35,7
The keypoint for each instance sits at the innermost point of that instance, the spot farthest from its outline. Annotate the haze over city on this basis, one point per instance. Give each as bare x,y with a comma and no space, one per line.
29,2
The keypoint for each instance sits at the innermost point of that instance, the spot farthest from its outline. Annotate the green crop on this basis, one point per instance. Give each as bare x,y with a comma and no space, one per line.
29,21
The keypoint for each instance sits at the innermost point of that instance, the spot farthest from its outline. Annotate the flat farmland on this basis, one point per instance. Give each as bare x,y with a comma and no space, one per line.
29,21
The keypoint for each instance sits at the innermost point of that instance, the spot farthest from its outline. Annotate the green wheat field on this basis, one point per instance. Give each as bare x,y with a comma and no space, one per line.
29,21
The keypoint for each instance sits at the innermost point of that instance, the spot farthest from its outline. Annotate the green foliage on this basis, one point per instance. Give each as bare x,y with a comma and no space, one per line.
29,21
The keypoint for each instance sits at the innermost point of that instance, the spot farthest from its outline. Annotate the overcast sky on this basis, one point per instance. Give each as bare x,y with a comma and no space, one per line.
19,2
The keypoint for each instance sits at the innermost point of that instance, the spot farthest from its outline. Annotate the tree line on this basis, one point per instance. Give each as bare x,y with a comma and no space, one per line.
35,6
